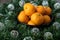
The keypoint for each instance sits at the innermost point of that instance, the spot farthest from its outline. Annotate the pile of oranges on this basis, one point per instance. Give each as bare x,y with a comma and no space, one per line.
35,15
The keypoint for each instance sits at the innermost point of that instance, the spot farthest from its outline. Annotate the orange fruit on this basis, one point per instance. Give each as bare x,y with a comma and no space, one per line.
40,9
22,17
48,10
37,18
29,9
47,19
30,23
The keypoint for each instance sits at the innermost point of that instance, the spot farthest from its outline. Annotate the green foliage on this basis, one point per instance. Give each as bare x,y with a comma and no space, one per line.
11,23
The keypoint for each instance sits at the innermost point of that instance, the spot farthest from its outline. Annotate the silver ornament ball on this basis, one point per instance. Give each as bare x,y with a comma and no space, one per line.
35,31
14,33
48,35
28,38
45,3
56,23
21,3
57,5
11,7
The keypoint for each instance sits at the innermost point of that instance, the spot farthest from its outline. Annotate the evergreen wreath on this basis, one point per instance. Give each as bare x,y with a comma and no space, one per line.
12,29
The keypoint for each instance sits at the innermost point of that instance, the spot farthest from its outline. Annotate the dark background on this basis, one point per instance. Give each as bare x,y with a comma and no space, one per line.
3,1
